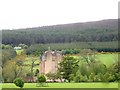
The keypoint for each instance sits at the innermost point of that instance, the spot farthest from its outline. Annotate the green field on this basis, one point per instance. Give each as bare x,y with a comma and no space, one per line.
65,85
106,58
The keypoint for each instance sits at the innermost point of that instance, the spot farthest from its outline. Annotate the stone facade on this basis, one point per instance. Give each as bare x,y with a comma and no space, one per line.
49,61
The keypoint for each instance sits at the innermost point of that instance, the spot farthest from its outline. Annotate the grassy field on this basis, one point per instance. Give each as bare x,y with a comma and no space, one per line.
65,85
106,58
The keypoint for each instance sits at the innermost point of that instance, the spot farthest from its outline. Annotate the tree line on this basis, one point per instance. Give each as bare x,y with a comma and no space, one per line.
30,37
100,31
86,35
69,48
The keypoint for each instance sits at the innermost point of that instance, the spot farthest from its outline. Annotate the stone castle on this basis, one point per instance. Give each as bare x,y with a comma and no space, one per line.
49,61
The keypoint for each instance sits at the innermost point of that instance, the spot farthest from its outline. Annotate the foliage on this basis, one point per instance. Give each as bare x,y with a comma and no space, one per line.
29,75
73,47
102,36
41,79
19,61
68,66
23,46
101,31
19,82
14,68
9,71
98,67
95,71
88,55
6,46
71,68
78,76
51,76
32,64
8,54
70,51
36,72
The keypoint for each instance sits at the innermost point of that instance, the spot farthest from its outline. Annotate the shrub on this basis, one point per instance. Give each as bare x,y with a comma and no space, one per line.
19,82
78,76
41,79
84,78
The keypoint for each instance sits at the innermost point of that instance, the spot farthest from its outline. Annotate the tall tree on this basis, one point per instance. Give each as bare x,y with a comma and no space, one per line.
68,66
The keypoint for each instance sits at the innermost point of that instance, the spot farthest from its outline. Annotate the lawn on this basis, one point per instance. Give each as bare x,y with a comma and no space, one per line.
106,58
65,85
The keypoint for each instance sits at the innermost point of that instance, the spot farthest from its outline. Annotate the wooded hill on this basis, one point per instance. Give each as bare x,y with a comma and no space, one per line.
96,31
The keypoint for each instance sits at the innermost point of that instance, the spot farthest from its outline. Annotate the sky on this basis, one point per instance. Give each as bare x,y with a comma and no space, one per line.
16,14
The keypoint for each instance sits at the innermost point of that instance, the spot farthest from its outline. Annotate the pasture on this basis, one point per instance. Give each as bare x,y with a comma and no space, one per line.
65,85
106,58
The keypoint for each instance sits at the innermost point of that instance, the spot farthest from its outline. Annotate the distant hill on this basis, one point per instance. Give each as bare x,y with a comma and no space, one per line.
104,24
101,31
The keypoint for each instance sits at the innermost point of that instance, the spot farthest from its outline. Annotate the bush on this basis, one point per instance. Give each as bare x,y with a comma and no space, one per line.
77,78
41,79
84,78
70,51
19,82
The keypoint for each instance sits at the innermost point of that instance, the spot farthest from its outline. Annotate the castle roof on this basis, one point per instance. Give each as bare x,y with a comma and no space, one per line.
54,53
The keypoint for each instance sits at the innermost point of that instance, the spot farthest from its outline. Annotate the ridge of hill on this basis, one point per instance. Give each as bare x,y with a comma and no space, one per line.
101,31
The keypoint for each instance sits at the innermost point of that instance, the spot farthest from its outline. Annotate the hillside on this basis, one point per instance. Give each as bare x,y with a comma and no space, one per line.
104,24
100,31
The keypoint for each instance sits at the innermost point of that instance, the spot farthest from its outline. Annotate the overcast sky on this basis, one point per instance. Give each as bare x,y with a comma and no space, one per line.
34,13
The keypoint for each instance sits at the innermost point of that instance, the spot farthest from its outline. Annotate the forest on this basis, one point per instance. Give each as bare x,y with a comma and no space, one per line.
100,31
99,35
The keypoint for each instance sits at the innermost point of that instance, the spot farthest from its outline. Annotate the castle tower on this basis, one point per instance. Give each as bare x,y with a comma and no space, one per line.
49,61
